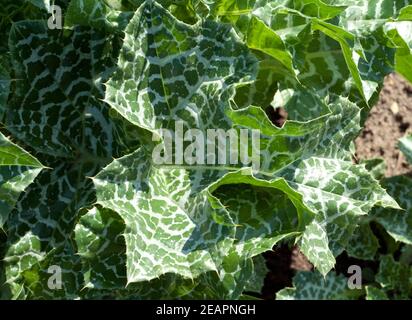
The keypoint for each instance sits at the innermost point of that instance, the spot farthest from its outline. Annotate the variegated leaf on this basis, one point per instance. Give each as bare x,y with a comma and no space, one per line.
153,102
315,246
56,106
373,293
260,271
395,276
363,243
4,89
398,223
313,286
102,90
58,100
17,170
100,15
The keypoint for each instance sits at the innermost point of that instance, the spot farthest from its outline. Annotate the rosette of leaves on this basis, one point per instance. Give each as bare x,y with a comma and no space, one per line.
88,101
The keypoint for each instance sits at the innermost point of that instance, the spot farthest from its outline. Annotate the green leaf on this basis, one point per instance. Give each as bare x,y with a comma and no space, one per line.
259,225
262,38
55,107
313,286
323,193
98,14
94,100
300,102
373,293
4,89
187,11
13,155
102,249
363,244
376,166
22,256
154,102
260,92
288,22
179,53
153,251
50,204
395,276
406,254
363,16
312,8
399,32
397,223
351,57
38,278
260,271
16,10
17,170
405,145
314,245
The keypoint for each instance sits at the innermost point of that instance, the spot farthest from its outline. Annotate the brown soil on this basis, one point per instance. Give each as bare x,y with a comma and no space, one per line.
278,116
299,262
388,121
282,263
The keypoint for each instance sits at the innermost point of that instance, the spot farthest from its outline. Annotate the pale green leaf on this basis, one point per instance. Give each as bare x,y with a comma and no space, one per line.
314,245
101,15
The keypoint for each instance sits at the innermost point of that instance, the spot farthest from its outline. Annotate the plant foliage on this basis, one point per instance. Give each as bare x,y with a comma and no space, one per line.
79,107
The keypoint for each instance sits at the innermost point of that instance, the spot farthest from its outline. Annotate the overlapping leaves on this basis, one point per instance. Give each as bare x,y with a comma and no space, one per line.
89,99
137,189
392,279
55,108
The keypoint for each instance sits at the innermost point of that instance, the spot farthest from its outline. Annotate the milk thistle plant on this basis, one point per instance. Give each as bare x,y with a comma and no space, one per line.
93,202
